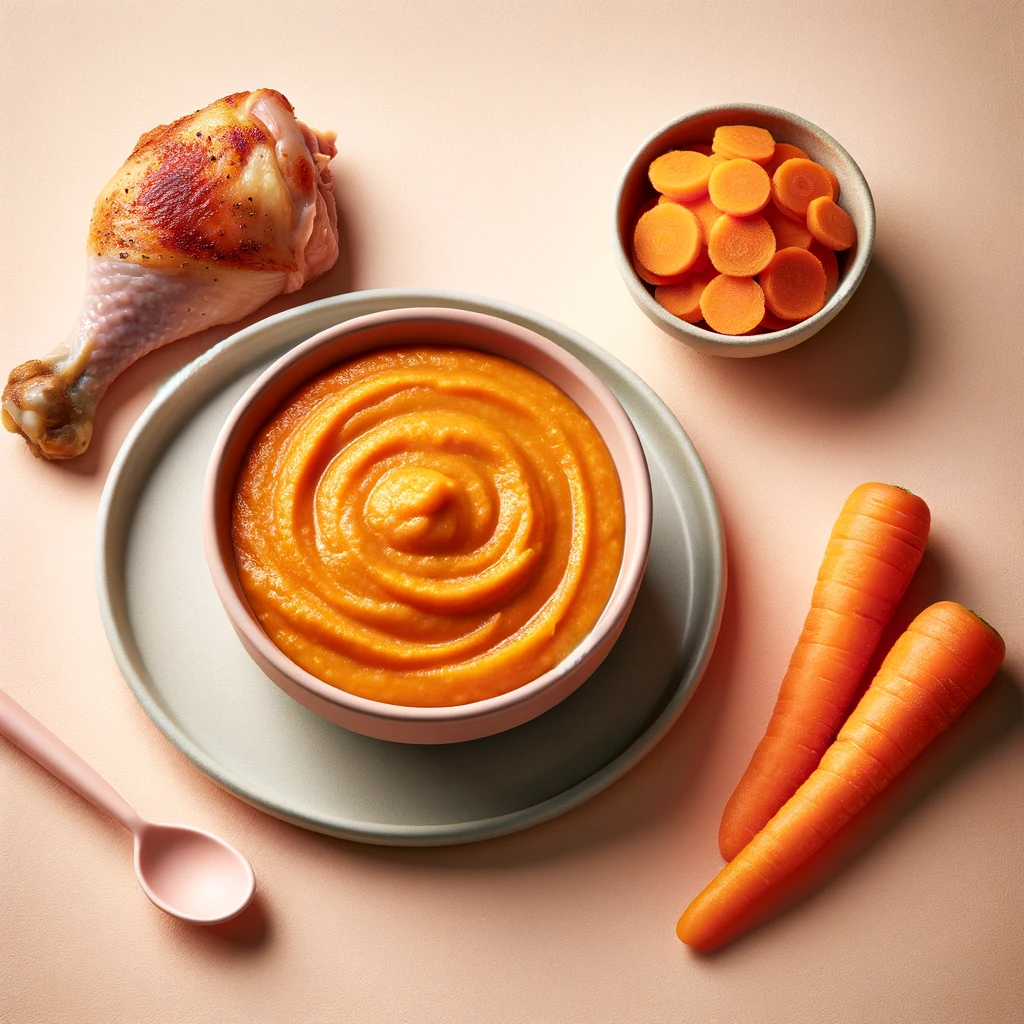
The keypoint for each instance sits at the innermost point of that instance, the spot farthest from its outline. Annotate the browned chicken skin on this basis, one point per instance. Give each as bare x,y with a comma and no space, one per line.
209,218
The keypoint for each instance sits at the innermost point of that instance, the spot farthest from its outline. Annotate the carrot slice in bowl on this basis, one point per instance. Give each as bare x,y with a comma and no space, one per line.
788,232
667,239
794,284
681,174
741,246
705,211
656,279
683,299
828,260
835,182
770,322
732,305
783,152
830,224
739,187
796,183
744,141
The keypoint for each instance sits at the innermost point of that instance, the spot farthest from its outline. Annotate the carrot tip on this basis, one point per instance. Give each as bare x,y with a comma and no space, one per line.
686,933
985,623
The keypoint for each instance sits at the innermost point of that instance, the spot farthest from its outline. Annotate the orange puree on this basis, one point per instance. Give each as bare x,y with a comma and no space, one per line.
428,526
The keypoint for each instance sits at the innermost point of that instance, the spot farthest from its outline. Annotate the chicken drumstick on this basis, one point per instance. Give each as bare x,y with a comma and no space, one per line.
209,218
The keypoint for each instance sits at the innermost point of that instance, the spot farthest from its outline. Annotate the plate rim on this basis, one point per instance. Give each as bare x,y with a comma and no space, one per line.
108,551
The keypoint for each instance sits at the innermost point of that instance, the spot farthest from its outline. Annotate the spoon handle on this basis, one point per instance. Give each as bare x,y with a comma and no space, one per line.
60,760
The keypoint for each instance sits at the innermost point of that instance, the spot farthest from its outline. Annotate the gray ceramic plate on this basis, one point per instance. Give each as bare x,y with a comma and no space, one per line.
178,652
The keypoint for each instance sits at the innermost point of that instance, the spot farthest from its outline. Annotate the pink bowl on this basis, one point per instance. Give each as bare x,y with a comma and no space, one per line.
443,326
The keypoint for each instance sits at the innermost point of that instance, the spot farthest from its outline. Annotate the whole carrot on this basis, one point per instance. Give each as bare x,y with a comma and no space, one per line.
938,666
875,548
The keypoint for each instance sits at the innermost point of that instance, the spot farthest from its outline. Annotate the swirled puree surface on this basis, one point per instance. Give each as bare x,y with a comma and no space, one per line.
428,526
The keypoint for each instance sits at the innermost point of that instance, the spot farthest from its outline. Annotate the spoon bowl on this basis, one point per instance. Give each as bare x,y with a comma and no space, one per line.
191,874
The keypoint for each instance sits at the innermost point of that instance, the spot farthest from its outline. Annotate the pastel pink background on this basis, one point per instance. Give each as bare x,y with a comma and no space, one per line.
480,146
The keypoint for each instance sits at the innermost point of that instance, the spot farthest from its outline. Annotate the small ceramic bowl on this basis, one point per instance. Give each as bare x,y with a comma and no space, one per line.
699,126
427,326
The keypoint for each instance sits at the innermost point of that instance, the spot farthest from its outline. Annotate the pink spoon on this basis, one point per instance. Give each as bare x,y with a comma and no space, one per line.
185,871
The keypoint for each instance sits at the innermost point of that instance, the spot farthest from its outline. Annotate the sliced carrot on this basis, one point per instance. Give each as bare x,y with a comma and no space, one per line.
683,299
656,279
827,258
797,218
744,141
702,263
835,184
641,272
793,283
739,187
703,209
667,239
783,151
681,174
934,671
706,212
771,322
830,224
732,305
788,232
797,182
875,548
741,246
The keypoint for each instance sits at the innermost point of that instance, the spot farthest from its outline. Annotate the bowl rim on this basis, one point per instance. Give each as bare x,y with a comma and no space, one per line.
769,340
225,577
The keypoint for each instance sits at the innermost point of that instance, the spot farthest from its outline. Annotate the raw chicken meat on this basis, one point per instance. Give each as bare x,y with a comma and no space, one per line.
209,218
